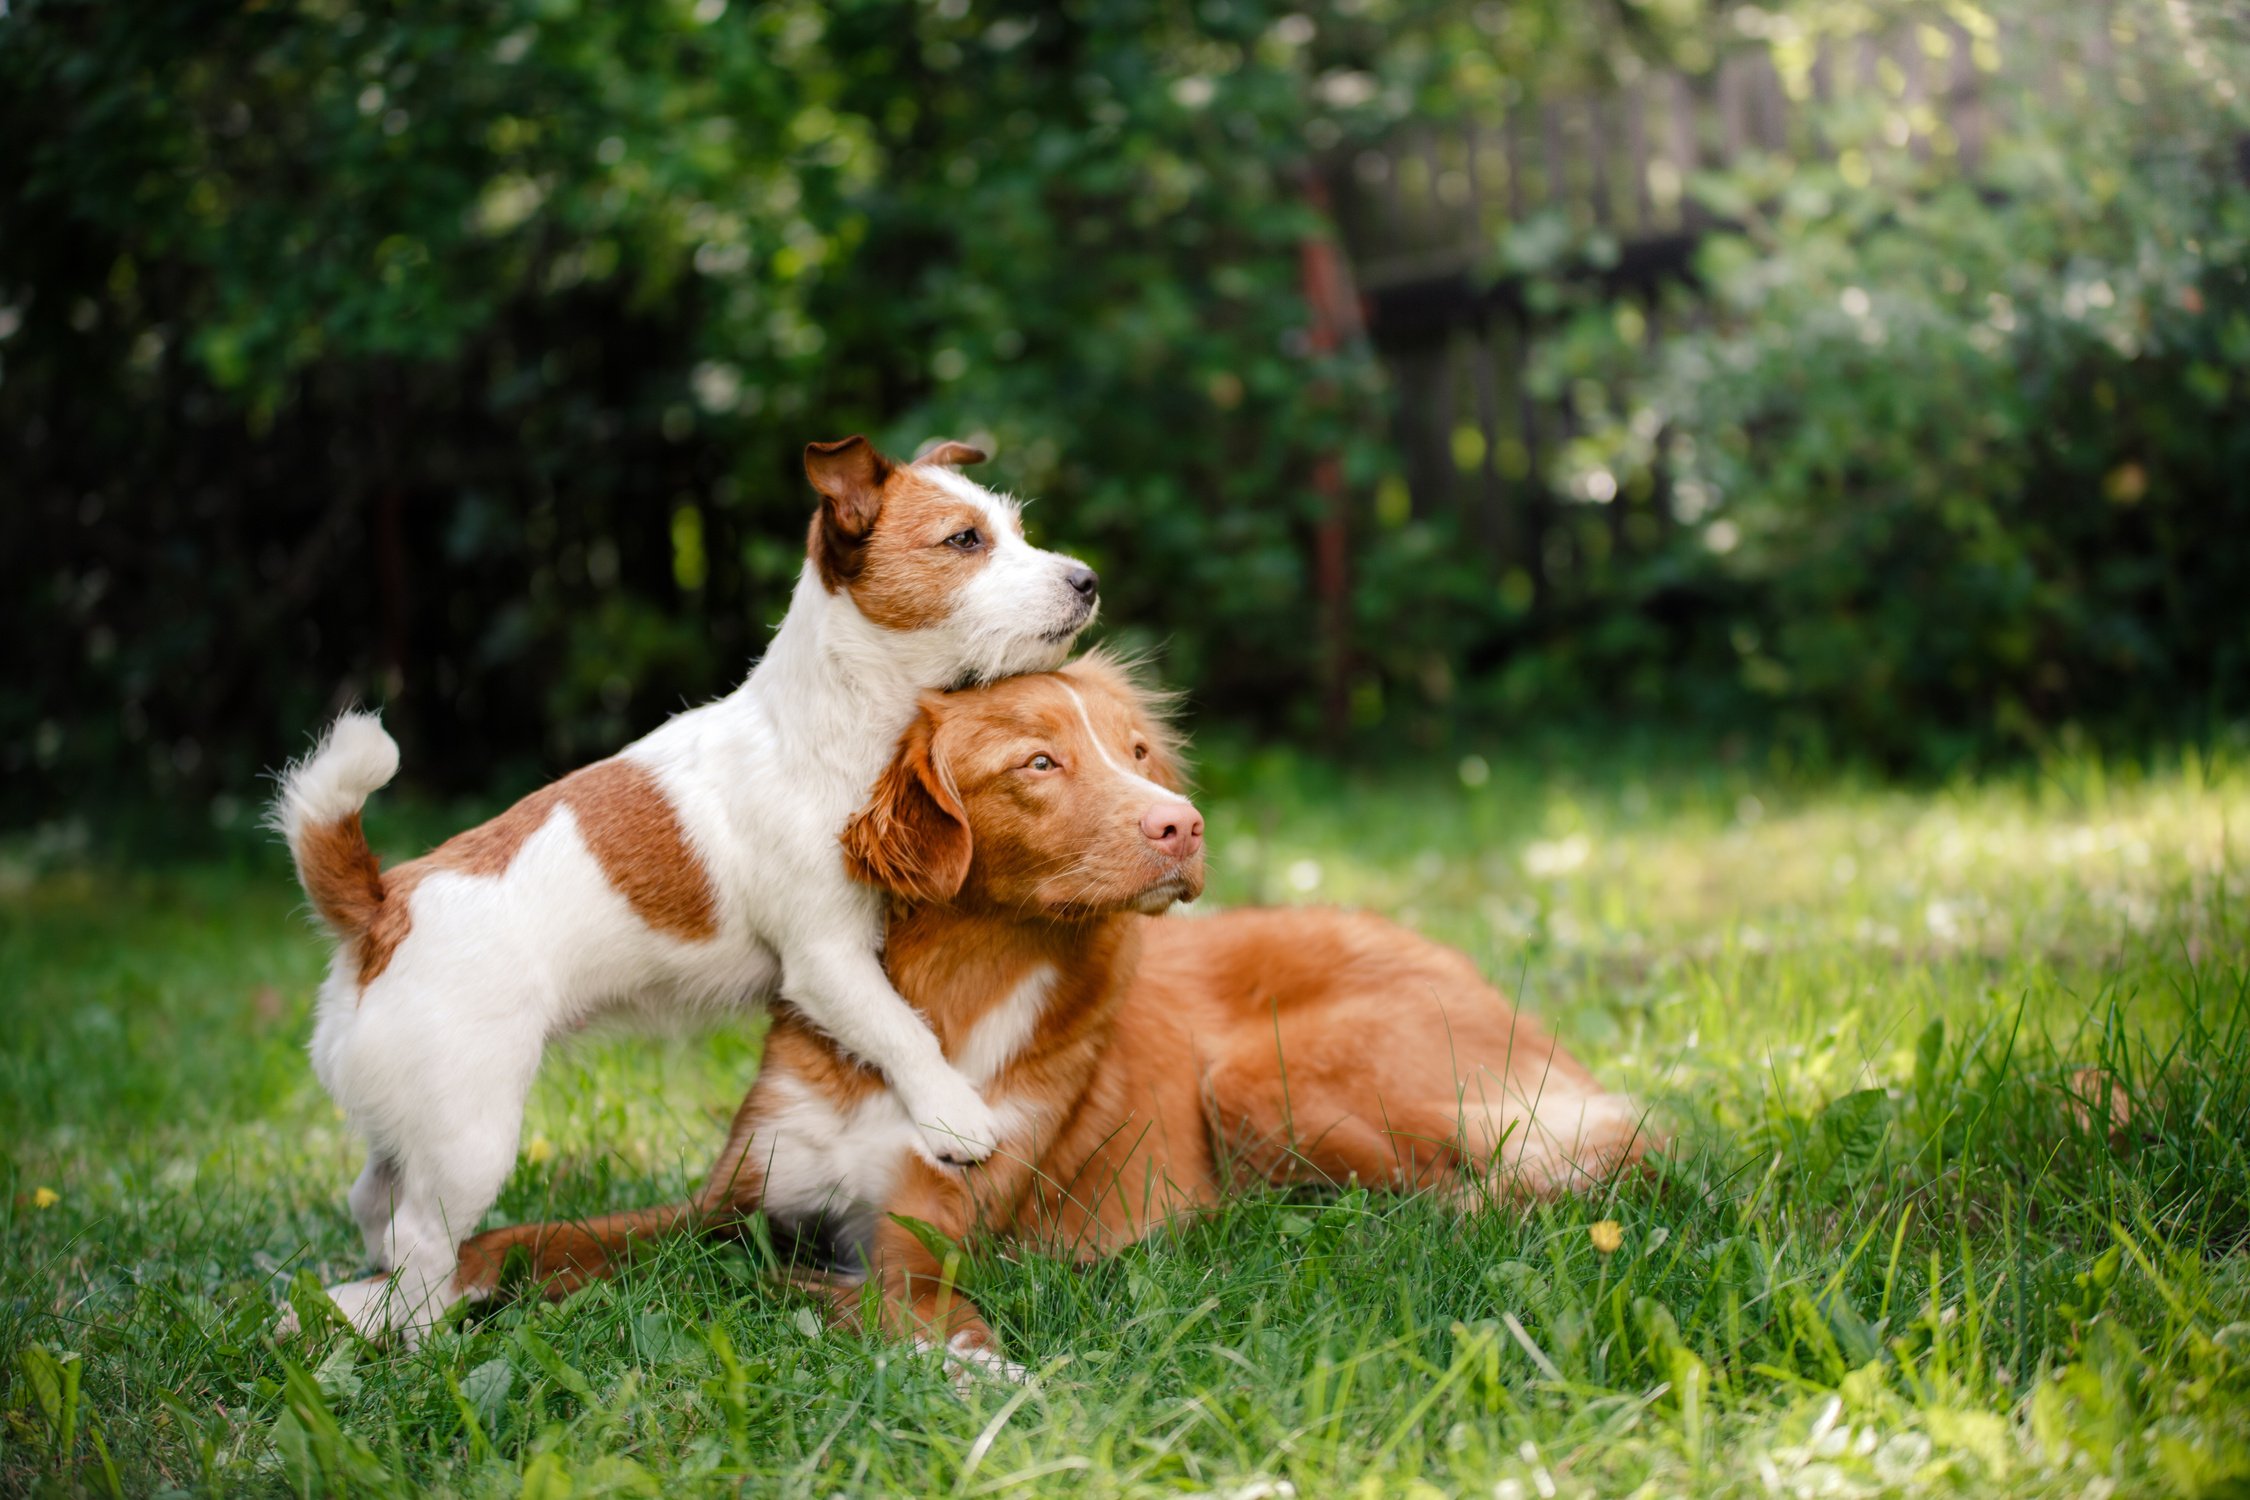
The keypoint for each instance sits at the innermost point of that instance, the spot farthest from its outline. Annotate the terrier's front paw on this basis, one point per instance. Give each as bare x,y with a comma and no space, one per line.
970,1359
959,1130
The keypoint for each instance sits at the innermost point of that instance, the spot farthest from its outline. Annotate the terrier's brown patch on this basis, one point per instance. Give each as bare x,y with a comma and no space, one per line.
392,920
340,873
632,829
907,575
628,825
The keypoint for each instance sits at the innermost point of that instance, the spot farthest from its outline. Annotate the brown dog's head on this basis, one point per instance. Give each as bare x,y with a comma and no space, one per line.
1054,795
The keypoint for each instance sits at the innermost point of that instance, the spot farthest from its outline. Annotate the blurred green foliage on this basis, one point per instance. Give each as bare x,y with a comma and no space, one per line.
1963,460
459,357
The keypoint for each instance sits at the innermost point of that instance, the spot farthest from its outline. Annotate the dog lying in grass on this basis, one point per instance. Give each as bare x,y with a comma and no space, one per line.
1032,834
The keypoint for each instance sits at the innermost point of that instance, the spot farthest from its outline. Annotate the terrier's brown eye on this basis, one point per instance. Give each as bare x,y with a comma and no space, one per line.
965,541
1043,762
1140,752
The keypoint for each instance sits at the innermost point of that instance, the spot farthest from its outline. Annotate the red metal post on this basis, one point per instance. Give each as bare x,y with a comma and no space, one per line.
1334,311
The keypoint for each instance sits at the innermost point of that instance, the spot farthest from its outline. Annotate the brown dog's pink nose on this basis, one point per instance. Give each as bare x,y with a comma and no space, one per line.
1174,827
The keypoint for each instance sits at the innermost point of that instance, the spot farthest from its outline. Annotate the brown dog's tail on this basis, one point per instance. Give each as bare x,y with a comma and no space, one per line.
564,1255
318,813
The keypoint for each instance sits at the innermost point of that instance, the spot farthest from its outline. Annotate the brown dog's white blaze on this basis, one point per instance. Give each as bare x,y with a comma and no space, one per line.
628,824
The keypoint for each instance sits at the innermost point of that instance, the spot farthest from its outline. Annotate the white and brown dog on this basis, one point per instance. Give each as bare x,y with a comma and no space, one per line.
695,871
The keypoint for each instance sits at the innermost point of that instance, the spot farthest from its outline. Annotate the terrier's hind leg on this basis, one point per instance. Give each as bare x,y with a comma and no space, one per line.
439,1204
447,1163
373,1198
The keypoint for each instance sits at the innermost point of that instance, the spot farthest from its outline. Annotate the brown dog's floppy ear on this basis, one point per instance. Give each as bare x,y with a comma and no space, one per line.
950,453
849,474
912,837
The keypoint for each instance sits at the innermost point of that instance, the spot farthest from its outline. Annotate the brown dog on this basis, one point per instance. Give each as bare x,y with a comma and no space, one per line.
1142,1065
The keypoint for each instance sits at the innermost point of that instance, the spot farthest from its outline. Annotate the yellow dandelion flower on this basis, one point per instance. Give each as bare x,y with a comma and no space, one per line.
1607,1235
540,1152
45,1197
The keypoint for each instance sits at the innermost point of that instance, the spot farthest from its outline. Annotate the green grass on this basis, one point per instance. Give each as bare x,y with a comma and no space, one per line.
1894,1252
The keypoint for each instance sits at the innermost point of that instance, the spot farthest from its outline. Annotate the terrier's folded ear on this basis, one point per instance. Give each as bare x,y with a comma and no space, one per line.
849,474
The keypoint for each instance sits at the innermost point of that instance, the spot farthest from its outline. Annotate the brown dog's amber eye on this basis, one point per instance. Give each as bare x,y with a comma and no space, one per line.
1043,763
965,541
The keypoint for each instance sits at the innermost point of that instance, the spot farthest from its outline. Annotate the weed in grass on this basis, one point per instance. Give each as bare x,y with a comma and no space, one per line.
1960,1203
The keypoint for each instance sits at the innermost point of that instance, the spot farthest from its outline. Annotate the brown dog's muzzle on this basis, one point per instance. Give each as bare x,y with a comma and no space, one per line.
1173,831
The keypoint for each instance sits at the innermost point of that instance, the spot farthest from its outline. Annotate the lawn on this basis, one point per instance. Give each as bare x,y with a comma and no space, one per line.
1960,1076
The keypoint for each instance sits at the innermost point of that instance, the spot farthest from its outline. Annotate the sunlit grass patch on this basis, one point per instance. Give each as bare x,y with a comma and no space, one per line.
1960,1080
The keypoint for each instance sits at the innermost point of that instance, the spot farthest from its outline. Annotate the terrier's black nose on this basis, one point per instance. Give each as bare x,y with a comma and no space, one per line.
1084,579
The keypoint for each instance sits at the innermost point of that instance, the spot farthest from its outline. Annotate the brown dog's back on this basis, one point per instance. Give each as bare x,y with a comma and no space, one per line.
1315,1045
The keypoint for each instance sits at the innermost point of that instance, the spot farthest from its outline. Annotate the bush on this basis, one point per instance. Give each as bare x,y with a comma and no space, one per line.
1981,461
1962,462
460,360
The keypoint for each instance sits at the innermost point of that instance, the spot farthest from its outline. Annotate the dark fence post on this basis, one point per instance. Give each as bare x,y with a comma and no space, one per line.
1334,320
